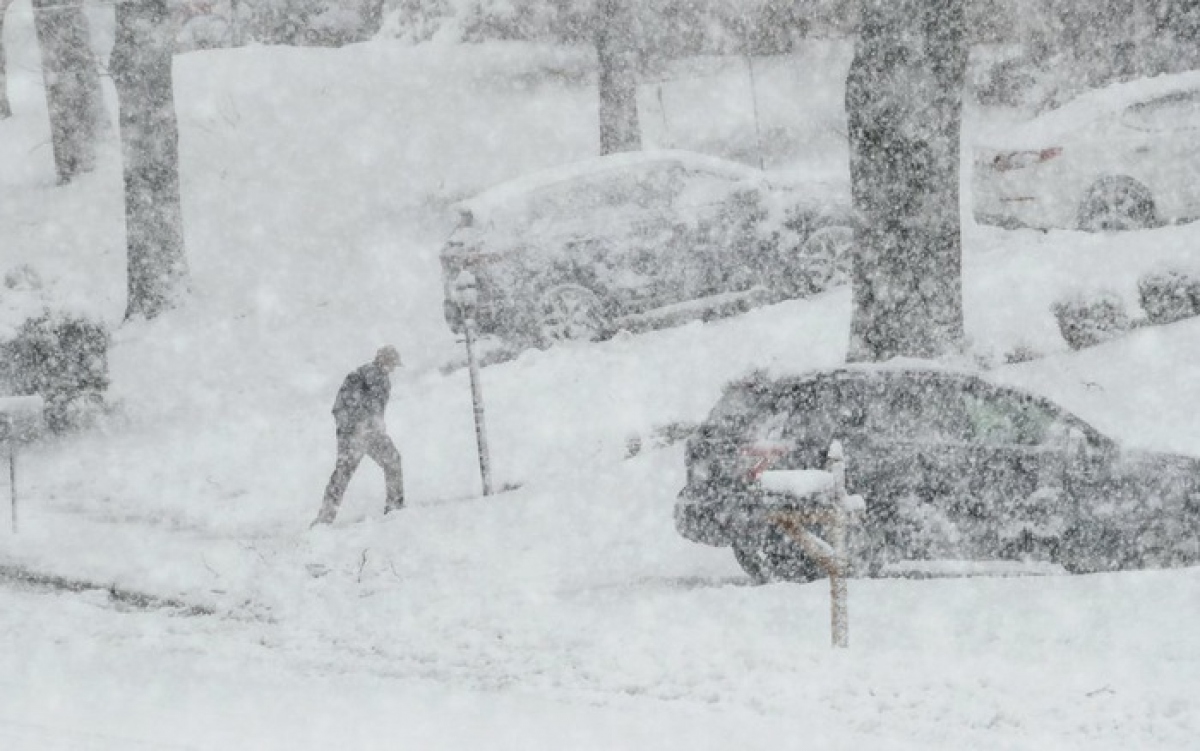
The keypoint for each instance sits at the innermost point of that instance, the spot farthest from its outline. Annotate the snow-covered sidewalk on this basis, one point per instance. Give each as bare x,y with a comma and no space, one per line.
580,593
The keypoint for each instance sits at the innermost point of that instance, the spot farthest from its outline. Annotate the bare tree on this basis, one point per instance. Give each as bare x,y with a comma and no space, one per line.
141,70
5,109
72,85
904,107
616,52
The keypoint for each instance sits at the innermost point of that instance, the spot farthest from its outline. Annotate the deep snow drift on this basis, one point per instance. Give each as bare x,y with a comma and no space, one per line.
315,188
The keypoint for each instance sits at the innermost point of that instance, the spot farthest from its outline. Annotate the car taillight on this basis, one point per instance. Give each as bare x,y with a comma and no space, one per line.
757,457
1021,159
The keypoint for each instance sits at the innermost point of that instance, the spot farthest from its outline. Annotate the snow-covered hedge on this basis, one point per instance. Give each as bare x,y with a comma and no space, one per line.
1169,295
63,358
1088,319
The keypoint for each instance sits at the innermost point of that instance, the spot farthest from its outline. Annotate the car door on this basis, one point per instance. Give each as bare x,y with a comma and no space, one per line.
1103,527
1014,495
714,217
912,466
637,216
609,229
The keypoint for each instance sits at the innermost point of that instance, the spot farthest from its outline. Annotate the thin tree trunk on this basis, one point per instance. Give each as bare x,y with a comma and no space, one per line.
141,70
904,108
5,109
73,95
372,11
616,53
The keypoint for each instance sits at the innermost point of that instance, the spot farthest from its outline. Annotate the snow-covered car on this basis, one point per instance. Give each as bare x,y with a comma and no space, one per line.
1120,157
959,474
585,249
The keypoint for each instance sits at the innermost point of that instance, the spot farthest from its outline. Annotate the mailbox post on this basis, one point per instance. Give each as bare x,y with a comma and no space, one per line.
20,422
467,297
819,497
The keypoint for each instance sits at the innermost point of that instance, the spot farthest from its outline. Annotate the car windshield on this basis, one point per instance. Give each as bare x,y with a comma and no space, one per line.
1179,111
646,188
1010,420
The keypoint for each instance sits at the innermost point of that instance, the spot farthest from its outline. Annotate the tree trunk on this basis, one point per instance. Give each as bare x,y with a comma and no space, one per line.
616,53
372,14
5,109
73,95
141,70
904,109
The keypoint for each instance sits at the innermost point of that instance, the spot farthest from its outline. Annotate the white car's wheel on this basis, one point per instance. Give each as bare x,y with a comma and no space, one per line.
1116,203
570,312
827,257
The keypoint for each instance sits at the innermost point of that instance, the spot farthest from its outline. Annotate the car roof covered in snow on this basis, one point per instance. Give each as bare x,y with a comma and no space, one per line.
909,367
514,192
817,193
1087,108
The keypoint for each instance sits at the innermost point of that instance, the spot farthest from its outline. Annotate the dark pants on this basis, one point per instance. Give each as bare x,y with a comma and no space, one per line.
352,446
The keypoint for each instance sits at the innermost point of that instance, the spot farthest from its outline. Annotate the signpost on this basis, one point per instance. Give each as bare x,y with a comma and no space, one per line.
467,296
20,422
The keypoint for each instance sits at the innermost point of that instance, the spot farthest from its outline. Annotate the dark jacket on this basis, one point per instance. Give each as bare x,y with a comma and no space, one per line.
362,398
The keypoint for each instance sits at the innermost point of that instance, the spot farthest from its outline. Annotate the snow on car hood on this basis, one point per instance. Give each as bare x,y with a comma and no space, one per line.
1051,127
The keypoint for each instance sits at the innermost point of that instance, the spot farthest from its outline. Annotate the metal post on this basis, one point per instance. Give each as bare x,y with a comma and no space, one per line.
754,101
485,462
12,484
235,36
838,595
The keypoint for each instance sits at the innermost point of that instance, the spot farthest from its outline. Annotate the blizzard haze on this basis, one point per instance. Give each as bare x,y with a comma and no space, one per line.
565,612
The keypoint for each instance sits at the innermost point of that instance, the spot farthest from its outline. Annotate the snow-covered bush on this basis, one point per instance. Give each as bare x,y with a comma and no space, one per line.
1021,352
1086,320
62,357
1170,295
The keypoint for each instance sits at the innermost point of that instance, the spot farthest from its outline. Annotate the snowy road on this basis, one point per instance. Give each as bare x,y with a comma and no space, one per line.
76,674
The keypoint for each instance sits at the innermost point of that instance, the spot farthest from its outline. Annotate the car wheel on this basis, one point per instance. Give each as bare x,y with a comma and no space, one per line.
826,254
570,312
774,559
1116,203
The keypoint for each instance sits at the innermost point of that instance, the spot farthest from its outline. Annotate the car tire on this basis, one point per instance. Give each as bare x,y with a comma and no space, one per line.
775,558
569,312
1117,203
827,257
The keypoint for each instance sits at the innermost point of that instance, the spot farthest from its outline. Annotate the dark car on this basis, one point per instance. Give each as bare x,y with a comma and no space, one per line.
954,469
638,239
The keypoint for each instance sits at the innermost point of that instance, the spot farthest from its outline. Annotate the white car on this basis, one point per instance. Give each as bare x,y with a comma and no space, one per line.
639,239
1121,157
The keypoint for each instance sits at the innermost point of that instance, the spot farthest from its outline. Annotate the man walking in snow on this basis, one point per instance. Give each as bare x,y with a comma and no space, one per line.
358,413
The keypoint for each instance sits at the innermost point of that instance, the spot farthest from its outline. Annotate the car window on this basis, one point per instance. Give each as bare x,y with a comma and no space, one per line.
703,189
648,188
749,407
916,410
1180,111
1004,419
825,410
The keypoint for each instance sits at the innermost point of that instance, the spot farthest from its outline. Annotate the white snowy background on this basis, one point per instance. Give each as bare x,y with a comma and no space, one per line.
566,613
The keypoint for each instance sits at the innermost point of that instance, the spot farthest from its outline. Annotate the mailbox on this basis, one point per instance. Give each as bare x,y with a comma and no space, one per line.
21,418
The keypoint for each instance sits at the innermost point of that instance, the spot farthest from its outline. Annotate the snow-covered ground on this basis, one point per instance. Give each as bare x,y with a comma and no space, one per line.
564,613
